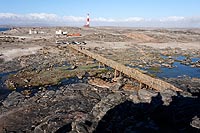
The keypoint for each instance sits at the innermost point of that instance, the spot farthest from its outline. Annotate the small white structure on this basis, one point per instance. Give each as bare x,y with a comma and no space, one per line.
35,32
59,32
41,32
64,32
30,31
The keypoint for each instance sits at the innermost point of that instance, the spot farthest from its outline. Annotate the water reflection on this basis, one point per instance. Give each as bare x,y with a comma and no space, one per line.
178,69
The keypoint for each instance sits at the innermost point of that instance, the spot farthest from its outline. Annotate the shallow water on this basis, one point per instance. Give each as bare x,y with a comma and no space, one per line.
4,29
3,77
4,91
63,82
180,58
195,59
179,69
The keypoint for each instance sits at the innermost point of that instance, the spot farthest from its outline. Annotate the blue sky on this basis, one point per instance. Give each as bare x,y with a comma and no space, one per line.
106,9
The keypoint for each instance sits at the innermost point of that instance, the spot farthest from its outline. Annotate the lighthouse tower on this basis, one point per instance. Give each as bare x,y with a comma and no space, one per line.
87,21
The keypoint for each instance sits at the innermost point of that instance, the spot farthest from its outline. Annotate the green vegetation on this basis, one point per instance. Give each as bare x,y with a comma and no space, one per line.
152,75
51,76
1,60
155,69
86,67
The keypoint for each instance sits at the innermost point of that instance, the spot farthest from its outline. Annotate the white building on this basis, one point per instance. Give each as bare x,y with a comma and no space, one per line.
59,32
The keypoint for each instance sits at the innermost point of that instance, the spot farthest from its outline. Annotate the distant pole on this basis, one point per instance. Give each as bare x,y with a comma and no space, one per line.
87,21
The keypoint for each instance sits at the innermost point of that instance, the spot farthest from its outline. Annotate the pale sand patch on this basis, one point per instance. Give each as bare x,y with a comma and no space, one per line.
109,45
140,37
10,54
184,46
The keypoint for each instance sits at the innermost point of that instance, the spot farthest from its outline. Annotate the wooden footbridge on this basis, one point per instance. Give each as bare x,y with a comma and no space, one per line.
143,79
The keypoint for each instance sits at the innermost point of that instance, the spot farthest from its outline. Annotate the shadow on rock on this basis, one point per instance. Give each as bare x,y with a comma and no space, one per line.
64,129
154,117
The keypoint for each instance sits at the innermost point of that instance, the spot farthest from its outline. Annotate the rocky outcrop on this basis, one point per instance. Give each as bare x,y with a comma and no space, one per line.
48,110
141,111
13,99
88,108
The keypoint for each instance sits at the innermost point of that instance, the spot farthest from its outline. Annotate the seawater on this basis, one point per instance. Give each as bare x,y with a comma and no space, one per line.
179,70
4,29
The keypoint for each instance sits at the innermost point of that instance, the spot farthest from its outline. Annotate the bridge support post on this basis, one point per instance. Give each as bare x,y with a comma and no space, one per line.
115,75
120,74
140,85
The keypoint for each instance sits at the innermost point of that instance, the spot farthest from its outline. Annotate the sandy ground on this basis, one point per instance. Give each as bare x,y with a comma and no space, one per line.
109,45
111,38
184,46
10,54
125,45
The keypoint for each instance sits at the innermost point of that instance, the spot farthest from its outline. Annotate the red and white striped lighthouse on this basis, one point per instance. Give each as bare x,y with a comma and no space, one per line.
87,21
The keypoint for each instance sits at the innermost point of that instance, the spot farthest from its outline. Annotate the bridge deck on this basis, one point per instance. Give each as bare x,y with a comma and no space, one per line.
154,83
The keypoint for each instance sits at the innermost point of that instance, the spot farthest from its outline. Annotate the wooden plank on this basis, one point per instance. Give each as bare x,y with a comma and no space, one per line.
154,83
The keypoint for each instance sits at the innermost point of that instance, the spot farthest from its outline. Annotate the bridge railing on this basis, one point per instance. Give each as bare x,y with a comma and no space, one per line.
131,72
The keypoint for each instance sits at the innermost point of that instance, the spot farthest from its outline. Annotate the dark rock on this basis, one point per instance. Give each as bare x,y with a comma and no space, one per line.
195,122
64,129
116,87
59,93
80,128
50,93
146,95
13,99
93,95
167,96
134,98
80,75
26,80
194,90
73,67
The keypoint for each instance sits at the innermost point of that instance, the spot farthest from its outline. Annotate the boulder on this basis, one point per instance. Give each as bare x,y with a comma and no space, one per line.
146,95
195,122
13,99
167,96
116,87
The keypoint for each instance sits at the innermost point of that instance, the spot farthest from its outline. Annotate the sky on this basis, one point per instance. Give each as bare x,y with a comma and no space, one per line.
134,13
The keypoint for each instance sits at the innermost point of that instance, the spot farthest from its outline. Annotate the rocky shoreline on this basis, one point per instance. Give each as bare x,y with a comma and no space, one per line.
55,89
96,105
86,108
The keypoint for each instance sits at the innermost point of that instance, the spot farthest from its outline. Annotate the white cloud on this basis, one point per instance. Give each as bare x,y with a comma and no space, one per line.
111,20
101,19
134,19
53,19
42,16
73,19
27,19
7,15
32,16
172,18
